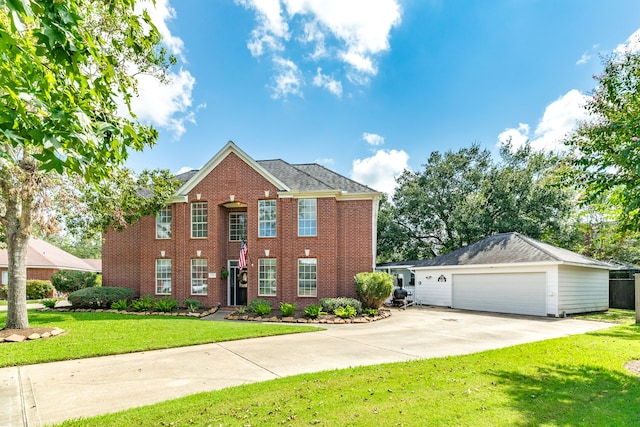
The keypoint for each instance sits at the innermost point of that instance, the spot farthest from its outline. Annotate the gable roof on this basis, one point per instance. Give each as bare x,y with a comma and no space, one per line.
288,178
41,254
510,248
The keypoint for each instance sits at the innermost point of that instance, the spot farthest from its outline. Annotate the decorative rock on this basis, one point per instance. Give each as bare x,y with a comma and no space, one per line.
15,338
34,337
288,319
56,332
302,320
45,335
274,319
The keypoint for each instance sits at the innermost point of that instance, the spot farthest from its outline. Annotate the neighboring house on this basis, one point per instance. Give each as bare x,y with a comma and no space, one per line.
43,259
401,273
308,231
96,264
512,273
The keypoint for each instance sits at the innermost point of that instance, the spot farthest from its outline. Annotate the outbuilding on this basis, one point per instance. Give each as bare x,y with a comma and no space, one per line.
512,273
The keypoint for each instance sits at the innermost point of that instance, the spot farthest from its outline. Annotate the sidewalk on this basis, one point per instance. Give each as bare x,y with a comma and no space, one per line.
35,395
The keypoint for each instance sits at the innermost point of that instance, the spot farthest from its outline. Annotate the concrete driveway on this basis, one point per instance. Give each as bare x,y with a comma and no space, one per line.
54,392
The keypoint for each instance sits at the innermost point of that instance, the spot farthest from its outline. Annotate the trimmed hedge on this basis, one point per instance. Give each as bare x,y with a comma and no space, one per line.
72,280
374,288
39,289
331,304
101,297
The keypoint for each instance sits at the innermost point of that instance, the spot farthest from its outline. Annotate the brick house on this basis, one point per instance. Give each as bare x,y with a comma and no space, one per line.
308,231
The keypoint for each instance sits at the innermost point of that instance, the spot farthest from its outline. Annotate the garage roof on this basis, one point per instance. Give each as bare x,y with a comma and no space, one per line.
510,248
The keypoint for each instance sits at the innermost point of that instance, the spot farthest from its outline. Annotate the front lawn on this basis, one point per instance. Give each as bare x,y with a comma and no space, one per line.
100,334
571,381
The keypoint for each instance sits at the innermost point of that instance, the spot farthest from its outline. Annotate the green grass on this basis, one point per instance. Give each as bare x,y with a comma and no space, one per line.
613,315
99,334
571,381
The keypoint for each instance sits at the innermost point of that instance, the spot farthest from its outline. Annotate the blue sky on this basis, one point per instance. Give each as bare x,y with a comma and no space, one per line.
371,87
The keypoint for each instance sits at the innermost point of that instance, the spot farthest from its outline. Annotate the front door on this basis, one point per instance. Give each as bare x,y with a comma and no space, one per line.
237,295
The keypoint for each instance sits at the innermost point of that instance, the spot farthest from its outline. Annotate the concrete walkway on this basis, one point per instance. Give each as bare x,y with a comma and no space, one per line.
35,395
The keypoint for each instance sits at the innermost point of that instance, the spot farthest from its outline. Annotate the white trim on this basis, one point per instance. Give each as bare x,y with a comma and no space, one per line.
505,265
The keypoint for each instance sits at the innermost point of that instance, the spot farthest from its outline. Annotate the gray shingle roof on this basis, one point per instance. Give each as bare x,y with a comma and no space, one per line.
509,248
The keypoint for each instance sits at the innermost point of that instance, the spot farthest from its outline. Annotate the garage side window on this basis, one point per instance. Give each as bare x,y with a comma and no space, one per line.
198,276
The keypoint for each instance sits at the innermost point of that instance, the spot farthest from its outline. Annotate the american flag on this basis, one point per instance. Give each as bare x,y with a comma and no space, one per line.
242,261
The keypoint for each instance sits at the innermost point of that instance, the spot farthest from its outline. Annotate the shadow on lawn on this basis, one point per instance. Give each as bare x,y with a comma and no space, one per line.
570,395
627,332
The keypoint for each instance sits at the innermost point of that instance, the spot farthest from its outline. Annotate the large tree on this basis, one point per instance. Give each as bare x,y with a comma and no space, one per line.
67,69
461,197
606,147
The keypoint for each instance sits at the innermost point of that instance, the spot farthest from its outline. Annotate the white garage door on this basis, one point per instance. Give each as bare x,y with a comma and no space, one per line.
518,293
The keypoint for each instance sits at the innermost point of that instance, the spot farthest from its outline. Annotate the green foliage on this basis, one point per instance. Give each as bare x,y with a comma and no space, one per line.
165,304
49,302
314,311
241,309
262,308
3,292
461,197
371,312
39,289
374,288
331,304
287,309
144,303
72,280
121,305
607,147
257,302
345,312
192,304
101,297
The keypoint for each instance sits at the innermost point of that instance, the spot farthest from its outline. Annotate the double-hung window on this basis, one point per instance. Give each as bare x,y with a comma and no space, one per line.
266,218
307,217
266,276
163,276
237,226
198,276
307,277
199,220
5,278
163,223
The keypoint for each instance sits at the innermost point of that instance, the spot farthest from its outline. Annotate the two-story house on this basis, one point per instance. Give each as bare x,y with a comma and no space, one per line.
306,231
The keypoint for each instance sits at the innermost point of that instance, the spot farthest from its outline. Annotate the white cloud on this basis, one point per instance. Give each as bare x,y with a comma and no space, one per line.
328,82
165,105
632,44
184,169
373,139
325,161
288,79
380,171
583,59
559,119
351,32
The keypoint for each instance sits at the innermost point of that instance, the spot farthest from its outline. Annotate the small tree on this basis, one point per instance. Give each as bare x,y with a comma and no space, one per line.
374,288
72,280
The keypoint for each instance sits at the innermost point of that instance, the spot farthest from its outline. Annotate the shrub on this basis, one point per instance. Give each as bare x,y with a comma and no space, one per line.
371,312
49,302
263,308
39,289
331,304
144,303
241,309
120,305
258,302
3,292
192,304
374,288
346,312
287,309
71,280
314,310
98,297
165,304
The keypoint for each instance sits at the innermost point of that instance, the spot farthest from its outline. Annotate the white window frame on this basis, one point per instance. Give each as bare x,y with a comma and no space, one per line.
199,276
307,277
268,209
163,223
162,276
267,270
238,225
201,210
307,217
5,277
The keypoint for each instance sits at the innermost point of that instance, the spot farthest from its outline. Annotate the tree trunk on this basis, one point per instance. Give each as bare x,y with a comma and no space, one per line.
17,317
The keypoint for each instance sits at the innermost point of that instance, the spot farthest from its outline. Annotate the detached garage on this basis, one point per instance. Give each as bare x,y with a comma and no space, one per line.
512,273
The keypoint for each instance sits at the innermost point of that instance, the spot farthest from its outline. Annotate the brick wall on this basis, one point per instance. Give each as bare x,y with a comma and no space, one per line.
342,247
